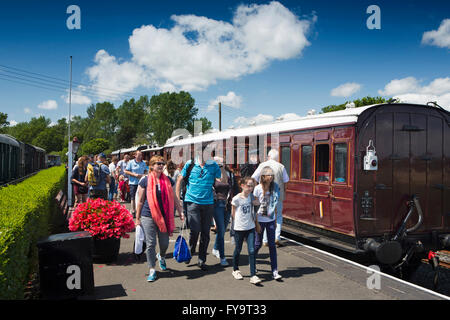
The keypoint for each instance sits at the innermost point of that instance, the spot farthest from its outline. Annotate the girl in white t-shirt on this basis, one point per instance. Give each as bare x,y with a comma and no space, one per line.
245,222
268,194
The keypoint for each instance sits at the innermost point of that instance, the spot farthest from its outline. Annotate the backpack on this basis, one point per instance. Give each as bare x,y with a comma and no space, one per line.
93,173
186,179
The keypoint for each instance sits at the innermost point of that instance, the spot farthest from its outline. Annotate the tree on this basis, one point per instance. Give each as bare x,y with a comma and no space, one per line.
4,124
27,131
366,101
170,111
94,146
132,118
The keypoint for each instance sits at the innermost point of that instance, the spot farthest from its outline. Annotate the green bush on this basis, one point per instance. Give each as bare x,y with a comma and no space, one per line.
27,211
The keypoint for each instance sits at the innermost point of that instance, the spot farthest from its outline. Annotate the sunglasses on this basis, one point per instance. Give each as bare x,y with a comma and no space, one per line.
250,185
160,163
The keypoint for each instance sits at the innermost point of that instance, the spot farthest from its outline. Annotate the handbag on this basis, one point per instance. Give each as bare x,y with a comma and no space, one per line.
181,252
82,189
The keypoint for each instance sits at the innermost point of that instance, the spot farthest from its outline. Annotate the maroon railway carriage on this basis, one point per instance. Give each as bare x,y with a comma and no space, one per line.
373,179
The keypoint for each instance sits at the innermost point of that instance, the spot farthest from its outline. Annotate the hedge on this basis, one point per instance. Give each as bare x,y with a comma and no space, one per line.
27,211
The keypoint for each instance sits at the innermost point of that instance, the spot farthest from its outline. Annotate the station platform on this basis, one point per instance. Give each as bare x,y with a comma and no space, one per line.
307,274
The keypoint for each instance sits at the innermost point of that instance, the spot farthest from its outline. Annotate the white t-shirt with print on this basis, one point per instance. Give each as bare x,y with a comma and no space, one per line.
243,215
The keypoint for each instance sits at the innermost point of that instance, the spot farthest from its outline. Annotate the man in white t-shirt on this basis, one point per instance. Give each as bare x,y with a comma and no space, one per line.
281,178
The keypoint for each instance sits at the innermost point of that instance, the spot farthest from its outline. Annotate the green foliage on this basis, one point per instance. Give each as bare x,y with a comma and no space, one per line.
366,101
94,146
27,211
3,122
170,111
134,122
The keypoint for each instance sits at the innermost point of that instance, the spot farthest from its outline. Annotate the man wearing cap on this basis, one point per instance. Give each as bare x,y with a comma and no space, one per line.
99,189
281,178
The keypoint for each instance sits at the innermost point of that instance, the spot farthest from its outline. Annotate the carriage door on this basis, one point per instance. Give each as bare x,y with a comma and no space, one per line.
322,177
341,180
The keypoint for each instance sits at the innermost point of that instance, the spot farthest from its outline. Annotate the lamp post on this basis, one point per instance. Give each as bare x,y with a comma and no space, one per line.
73,149
70,153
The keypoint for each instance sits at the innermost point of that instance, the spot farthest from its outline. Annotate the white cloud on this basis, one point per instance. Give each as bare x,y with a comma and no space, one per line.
48,105
12,123
288,117
400,86
197,51
27,110
112,79
231,100
410,90
259,119
77,96
346,90
439,37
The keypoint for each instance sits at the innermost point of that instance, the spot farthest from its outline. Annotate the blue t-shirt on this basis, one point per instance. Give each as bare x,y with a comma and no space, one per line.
201,181
101,184
145,211
136,167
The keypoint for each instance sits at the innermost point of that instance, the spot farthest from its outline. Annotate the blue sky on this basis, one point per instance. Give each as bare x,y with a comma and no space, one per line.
261,59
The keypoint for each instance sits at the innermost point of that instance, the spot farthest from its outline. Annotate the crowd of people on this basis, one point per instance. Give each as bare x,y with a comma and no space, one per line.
202,192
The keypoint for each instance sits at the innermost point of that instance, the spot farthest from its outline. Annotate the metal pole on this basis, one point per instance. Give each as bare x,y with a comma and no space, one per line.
220,116
70,153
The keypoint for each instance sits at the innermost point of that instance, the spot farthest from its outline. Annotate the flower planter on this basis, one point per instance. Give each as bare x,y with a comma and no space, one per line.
107,222
106,250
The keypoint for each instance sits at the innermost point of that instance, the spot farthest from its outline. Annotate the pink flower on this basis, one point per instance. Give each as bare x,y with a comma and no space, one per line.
102,219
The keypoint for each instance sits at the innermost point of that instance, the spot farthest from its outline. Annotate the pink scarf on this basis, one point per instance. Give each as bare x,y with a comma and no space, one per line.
165,223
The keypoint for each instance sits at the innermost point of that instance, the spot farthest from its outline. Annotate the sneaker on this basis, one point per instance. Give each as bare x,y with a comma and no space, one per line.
237,275
255,279
162,262
276,276
216,253
151,276
223,262
202,266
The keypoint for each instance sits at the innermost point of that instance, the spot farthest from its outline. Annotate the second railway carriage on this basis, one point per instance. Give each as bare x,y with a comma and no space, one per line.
372,180
9,158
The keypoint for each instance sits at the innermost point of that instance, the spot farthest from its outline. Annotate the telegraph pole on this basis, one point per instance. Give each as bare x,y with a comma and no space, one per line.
70,153
220,116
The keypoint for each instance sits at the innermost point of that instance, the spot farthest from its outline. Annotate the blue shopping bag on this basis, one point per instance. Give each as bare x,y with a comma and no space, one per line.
181,253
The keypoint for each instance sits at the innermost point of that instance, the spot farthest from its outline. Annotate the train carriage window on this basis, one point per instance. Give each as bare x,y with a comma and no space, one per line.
322,162
306,160
286,159
340,162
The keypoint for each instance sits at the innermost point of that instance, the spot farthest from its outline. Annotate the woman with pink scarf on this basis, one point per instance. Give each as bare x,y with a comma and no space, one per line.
154,213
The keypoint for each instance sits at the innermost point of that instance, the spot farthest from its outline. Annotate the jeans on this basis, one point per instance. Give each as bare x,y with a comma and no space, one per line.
112,189
151,230
239,237
199,216
270,227
279,223
222,217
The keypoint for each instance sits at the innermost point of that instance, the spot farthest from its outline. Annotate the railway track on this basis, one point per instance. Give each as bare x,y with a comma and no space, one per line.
424,275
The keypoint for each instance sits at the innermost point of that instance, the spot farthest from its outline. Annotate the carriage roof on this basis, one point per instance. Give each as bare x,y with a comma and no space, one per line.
347,116
7,139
